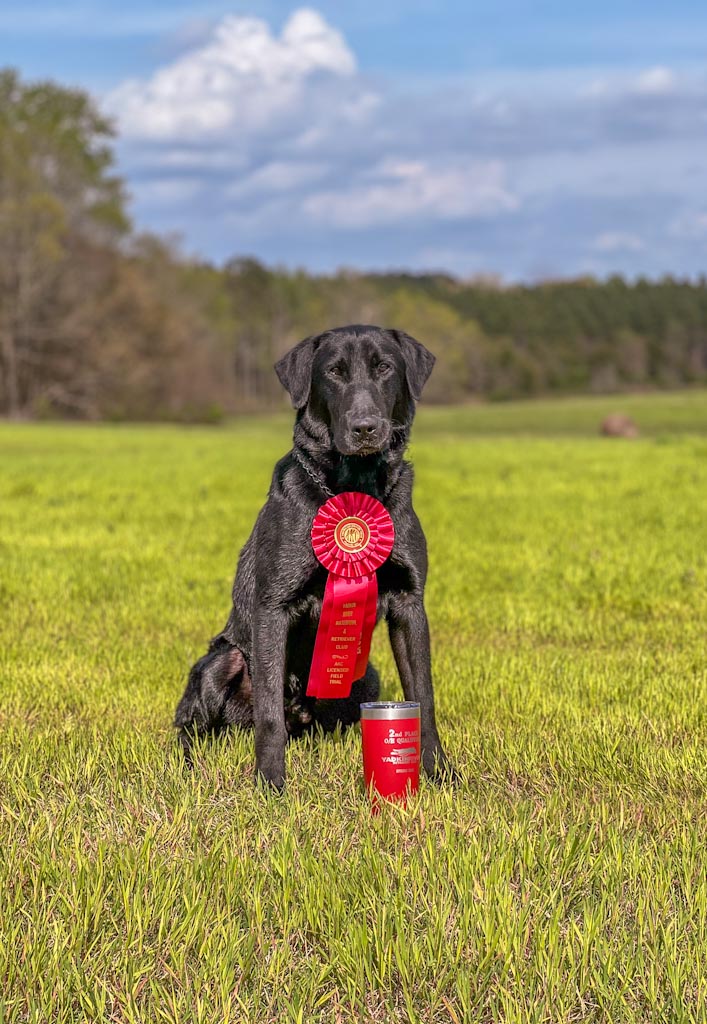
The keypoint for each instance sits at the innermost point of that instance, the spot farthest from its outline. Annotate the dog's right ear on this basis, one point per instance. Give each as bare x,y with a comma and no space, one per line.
295,370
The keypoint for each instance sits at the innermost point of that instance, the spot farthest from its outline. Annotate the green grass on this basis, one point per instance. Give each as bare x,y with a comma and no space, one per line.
657,414
564,880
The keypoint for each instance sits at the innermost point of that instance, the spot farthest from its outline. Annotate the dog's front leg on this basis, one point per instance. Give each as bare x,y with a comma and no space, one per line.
268,674
410,640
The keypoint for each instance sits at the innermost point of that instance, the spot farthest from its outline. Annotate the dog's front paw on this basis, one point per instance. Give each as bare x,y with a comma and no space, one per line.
438,769
185,739
269,781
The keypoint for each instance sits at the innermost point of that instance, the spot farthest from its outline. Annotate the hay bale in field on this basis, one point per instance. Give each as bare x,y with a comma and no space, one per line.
617,424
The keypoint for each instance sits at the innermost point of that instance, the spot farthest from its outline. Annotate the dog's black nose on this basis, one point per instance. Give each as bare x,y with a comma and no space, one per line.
364,429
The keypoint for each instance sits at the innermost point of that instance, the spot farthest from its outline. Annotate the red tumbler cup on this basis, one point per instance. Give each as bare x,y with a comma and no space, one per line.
391,749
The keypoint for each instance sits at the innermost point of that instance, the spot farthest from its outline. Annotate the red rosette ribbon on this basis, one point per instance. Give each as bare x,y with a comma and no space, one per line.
352,535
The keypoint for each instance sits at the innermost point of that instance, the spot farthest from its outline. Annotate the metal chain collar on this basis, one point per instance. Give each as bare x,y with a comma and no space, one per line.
318,478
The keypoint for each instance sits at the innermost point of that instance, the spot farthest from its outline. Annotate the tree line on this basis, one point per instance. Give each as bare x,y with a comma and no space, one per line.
99,321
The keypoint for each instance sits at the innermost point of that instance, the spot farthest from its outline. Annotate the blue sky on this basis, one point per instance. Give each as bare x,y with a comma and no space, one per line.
521,139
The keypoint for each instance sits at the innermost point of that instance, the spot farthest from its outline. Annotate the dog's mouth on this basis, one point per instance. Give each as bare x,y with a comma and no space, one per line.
365,449
371,446
362,452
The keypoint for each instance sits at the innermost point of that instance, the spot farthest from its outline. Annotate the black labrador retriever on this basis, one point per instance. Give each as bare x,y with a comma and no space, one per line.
354,389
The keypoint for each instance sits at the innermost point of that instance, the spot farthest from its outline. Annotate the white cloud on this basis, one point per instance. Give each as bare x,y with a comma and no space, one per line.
617,241
169,190
270,141
690,225
416,189
276,176
241,77
597,88
199,159
464,261
657,81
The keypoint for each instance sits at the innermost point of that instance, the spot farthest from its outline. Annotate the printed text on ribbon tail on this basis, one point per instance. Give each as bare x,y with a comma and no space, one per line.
338,636
369,624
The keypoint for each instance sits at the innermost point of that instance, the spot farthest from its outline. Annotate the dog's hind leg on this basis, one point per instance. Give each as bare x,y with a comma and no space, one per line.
218,695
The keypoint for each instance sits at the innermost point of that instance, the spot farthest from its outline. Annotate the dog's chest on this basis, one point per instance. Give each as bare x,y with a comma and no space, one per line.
392,579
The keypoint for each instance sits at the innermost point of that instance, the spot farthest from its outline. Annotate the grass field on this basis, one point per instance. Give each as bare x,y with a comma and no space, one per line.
564,880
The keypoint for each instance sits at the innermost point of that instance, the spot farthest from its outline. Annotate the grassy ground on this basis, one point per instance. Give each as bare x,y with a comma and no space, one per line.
563,881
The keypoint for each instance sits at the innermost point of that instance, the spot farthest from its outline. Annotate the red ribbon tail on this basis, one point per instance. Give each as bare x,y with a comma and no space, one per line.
343,632
369,624
323,631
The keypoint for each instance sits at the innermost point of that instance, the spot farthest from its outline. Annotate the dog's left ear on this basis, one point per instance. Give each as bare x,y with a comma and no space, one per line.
418,362
295,370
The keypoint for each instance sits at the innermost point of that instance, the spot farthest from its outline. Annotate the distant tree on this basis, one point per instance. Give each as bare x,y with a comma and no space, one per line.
259,316
631,356
58,195
456,344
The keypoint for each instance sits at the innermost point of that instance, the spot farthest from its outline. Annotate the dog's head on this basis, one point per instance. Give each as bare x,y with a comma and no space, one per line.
361,381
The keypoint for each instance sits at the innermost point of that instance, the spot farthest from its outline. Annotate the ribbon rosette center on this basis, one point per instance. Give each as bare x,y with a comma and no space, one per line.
352,535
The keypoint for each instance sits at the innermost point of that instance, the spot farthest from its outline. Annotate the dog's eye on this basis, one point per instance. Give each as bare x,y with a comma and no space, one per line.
382,367
336,371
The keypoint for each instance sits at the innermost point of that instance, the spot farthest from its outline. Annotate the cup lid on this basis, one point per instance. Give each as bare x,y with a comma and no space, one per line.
391,709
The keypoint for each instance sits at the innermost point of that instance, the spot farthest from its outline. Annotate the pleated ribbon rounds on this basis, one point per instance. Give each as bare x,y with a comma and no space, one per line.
352,535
